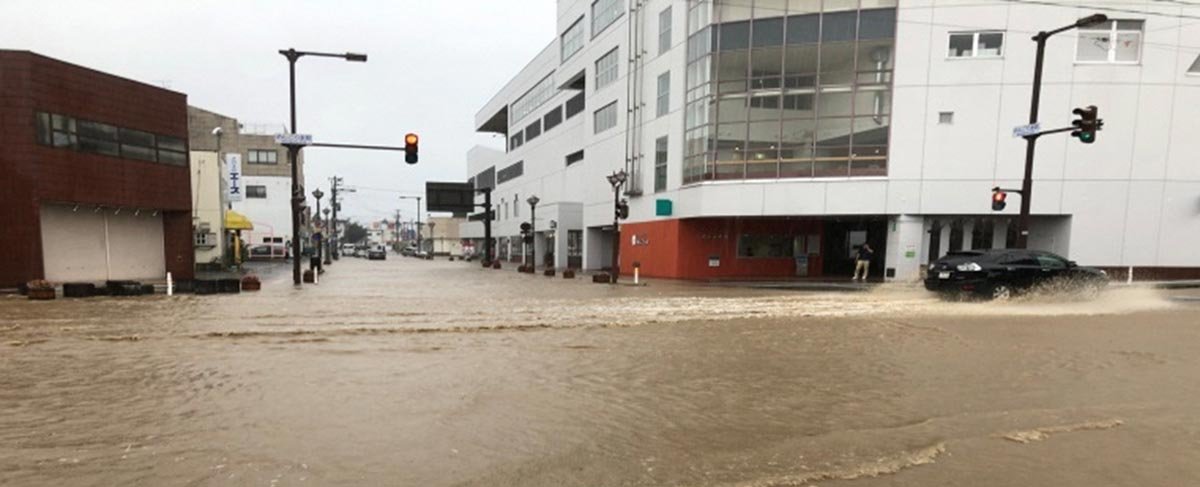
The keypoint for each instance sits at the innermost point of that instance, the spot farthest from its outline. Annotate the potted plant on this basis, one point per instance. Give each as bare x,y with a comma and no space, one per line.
40,289
251,283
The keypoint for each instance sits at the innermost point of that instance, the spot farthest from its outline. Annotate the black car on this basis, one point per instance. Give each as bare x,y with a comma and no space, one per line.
1001,274
377,252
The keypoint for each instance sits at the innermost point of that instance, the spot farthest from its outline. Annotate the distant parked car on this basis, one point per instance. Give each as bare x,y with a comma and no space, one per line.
269,251
1002,274
377,252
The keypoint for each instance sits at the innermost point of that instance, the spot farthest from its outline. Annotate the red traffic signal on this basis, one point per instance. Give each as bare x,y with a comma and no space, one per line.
410,148
999,200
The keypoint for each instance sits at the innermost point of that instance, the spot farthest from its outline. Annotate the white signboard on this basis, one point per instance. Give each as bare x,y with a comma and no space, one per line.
293,139
1027,130
233,175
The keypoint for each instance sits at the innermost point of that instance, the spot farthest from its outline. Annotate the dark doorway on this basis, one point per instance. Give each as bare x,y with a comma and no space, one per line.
842,239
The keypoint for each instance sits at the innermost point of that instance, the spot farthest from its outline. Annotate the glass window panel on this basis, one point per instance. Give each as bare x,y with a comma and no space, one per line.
796,140
533,130
553,118
877,4
660,164
100,131
138,152
991,44
962,44
607,69
1128,47
735,35
732,108
738,86
763,141
766,62
43,128
874,56
803,29
731,141
1130,24
171,143
838,26
664,30
733,65
1093,46
764,107
802,103
836,57
768,32
572,40
800,60
1195,68
877,24
172,157
604,13
730,170
664,94
872,102
835,103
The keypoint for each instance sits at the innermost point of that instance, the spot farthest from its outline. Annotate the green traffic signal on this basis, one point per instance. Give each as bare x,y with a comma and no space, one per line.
1087,124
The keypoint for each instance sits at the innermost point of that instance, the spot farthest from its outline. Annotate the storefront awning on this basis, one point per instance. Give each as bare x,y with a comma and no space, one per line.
237,221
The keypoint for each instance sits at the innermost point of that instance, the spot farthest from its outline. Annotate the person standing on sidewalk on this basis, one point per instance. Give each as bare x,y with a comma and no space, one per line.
862,262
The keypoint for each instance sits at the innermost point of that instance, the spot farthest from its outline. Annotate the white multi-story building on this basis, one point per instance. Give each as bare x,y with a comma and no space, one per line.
771,138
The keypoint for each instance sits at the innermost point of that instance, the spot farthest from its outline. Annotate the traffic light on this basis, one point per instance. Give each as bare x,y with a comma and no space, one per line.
410,148
1087,124
623,210
526,227
999,200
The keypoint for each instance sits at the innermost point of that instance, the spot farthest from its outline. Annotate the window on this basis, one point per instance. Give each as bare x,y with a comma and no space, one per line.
136,144
98,138
516,140
172,150
1195,69
607,69
664,30
976,44
256,191
605,118
765,246
1112,42
572,40
511,172
575,105
259,156
532,99
574,157
206,239
660,164
516,205
604,13
664,94
533,130
945,118
1050,262
552,119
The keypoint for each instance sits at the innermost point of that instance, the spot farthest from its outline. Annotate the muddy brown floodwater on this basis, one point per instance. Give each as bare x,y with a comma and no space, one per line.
421,373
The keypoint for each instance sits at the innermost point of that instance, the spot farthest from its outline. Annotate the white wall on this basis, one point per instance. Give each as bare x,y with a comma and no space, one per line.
206,203
271,216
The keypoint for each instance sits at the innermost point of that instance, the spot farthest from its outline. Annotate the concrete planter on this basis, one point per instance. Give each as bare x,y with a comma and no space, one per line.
601,278
251,283
79,290
568,274
548,273
308,276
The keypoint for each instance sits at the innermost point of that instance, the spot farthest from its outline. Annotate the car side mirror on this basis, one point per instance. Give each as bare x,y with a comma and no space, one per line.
1071,263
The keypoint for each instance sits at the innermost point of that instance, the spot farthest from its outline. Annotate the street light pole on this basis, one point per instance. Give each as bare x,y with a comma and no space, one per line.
292,56
1031,140
418,198
327,241
533,201
318,194
616,179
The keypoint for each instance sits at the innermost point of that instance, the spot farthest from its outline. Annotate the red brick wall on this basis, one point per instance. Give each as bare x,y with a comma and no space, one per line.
32,174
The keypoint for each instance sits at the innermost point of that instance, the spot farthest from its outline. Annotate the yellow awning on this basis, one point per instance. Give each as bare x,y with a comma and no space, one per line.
237,221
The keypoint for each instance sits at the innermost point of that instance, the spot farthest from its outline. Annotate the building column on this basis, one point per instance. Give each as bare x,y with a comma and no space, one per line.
999,233
905,240
944,239
968,233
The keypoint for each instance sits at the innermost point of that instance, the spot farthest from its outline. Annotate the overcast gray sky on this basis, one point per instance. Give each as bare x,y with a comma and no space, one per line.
433,64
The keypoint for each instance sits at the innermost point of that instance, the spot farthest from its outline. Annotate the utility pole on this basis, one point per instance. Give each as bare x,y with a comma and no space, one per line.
333,203
1031,140
620,211
396,231
418,198
487,226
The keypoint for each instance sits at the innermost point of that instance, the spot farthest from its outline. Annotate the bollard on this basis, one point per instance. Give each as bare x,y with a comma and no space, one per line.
637,267
1129,276
170,285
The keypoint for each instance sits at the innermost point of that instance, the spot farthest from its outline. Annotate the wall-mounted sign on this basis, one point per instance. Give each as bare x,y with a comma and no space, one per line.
293,139
663,208
714,261
639,240
233,175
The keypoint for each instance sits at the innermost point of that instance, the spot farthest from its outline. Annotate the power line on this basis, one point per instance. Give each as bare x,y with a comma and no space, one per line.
1095,7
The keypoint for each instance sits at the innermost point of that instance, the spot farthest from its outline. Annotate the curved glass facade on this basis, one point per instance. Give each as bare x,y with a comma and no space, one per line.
788,88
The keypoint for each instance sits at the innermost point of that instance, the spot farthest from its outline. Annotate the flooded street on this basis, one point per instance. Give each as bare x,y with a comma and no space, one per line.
419,373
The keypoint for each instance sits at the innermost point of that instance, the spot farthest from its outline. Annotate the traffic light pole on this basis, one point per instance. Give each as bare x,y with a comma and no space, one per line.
1031,140
487,225
616,243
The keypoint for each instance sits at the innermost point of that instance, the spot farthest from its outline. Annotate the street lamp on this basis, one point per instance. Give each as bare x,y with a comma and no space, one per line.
1031,141
292,56
318,194
418,198
616,179
533,201
326,241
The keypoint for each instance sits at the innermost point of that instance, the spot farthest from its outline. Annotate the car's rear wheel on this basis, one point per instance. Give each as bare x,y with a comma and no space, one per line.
1001,292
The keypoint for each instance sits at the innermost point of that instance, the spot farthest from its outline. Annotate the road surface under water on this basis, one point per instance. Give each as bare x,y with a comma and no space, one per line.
419,373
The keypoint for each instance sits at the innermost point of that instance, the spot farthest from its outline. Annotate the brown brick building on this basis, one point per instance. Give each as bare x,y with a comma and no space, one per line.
94,180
